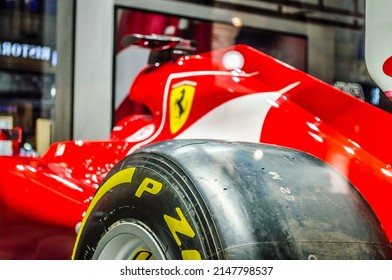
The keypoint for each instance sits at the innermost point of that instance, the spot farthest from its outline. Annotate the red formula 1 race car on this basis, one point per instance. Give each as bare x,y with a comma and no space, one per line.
240,156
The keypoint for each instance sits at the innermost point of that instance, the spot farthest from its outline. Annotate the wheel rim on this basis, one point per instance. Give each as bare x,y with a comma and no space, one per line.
128,240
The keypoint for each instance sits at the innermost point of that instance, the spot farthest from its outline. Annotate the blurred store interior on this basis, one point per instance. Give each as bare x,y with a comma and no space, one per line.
60,76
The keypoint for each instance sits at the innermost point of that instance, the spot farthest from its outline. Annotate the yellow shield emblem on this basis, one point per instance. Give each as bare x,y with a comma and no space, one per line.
181,99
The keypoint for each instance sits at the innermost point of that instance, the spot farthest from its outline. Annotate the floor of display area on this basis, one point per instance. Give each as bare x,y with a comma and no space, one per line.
21,239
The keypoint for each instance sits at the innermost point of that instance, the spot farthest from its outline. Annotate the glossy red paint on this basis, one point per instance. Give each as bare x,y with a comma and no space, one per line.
310,116
345,132
387,67
199,96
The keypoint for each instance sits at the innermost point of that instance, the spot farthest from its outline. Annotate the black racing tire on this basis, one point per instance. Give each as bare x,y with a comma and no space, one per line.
196,199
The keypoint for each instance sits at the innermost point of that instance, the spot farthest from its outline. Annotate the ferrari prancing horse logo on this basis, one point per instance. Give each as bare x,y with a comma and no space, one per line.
181,99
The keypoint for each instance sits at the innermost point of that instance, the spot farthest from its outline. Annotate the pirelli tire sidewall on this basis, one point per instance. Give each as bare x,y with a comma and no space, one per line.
157,195
204,199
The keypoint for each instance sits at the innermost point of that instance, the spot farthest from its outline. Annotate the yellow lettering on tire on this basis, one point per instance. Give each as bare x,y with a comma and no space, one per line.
191,255
142,254
179,226
121,177
148,185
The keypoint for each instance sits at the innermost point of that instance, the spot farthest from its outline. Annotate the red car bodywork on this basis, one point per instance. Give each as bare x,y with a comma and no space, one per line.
200,96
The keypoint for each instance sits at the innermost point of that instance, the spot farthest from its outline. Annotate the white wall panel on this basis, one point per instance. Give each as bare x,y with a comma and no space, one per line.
93,69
